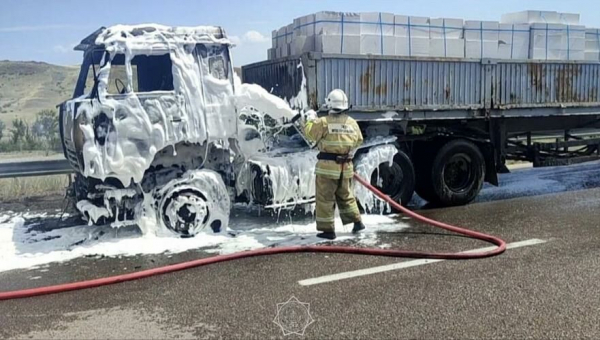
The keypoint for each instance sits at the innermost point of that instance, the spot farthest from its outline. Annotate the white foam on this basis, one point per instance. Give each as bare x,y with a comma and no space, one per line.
22,248
201,107
292,175
365,166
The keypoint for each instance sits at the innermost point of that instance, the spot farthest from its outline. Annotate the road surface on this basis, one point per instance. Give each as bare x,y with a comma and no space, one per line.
548,286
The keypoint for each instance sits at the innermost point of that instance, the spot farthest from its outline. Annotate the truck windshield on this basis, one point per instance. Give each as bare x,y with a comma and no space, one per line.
85,82
149,73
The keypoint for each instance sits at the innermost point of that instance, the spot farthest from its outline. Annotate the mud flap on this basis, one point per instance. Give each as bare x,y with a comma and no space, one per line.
491,172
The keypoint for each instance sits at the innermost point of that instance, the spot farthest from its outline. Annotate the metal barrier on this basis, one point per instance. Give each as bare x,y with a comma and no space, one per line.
35,168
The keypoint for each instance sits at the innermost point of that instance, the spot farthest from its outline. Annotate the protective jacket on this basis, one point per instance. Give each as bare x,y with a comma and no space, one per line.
334,134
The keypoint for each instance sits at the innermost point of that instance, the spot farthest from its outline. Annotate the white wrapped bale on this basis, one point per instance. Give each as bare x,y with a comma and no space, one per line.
513,41
481,49
283,51
376,23
530,17
449,48
377,44
557,42
281,37
302,44
304,26
412,47
413,27
337,44
446,28
481,39
481,30
289,33
592,44
274,39
337,23
592,55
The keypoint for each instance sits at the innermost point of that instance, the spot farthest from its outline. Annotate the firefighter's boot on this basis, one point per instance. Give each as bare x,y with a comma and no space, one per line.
329,235
358,226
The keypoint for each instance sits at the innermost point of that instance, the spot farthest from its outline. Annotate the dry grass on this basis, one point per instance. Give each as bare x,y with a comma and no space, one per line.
29,156
14,189
29,87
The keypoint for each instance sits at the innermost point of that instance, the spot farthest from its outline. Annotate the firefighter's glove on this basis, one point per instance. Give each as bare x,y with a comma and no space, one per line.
310,115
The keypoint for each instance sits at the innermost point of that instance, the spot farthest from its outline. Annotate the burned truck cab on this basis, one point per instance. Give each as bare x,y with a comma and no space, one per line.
150,104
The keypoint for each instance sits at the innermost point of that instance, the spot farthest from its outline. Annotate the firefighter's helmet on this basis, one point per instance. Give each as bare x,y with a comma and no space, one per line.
337,101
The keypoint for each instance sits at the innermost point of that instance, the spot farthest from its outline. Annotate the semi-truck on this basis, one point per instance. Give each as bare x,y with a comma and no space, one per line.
458,121
160,134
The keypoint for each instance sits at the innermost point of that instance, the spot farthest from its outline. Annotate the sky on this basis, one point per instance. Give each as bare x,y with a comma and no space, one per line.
47,30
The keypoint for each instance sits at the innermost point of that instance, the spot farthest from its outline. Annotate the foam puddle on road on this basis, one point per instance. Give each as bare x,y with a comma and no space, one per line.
23,245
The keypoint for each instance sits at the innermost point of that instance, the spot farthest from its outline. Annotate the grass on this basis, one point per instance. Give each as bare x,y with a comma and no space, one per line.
30,155
14,189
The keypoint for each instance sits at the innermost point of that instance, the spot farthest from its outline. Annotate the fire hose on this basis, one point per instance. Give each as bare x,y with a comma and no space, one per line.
501,247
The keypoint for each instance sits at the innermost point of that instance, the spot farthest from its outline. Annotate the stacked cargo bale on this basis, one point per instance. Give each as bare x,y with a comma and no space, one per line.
553,35
513,41
482,39
411,36
446,38
544,35
377,33
337,32
592,44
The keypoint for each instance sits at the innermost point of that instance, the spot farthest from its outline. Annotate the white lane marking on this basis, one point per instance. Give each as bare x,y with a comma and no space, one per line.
406,264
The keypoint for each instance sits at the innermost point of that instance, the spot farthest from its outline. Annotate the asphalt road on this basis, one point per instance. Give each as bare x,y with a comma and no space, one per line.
545,290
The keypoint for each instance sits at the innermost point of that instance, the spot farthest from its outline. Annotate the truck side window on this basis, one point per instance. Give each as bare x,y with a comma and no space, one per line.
149,73
217,59
217,67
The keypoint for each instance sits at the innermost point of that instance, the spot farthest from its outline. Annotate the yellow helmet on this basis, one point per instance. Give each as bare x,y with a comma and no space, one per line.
337,101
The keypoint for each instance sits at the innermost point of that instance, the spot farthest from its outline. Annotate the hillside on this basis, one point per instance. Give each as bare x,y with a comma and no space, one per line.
28,87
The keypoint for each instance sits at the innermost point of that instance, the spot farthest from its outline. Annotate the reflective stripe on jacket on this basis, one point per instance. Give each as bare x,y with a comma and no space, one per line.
335,133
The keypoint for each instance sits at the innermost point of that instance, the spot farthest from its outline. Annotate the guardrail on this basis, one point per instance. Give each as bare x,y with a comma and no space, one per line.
35,168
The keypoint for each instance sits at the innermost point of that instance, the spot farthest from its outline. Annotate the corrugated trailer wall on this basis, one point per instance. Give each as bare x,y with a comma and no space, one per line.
545,84
432,84
381,84
281,77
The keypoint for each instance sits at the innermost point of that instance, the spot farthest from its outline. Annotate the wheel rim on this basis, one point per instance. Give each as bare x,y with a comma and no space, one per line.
388,179
185,212
458,173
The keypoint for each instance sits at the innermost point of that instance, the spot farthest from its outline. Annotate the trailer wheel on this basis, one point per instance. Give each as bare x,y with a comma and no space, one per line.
423,165
396,180
457,174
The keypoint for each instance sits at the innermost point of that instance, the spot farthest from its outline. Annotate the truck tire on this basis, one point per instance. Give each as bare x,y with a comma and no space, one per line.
396,180
457,174
423,182
193,203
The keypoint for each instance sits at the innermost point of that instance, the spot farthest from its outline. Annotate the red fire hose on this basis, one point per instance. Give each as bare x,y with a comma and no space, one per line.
16,294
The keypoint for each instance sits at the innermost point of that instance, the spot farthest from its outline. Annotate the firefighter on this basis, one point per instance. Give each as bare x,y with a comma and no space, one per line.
336,136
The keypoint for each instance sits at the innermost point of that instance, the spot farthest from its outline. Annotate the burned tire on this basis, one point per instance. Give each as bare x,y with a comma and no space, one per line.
195,202
396,180
457,173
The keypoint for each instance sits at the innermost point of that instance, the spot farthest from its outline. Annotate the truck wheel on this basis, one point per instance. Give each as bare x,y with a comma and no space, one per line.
423,185
199,199
396,180
457,174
